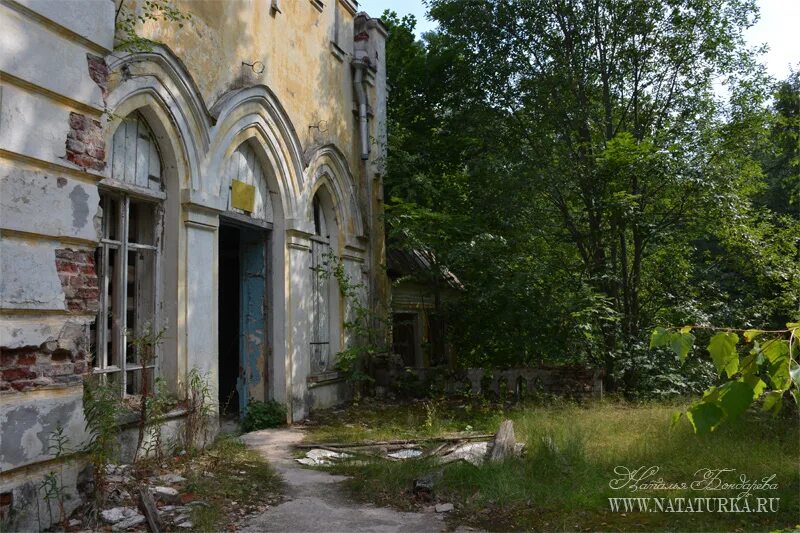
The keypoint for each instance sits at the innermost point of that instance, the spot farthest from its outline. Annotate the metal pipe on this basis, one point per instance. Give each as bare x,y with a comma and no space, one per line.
361,96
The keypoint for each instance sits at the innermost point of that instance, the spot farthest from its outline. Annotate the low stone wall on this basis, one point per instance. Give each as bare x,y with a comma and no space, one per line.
568,381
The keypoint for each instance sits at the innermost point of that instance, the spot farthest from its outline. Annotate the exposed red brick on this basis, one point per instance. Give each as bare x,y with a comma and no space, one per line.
26,359
98,71
78,279
17,374
23,385
85,145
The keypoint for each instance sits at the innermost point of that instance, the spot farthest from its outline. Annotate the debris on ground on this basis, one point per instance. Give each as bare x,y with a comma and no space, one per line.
444,507
474,449
474,453
322,457
504,443
117,514
405,454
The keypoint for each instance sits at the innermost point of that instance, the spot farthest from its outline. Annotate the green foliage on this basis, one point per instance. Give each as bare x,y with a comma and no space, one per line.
562,481
583,181
770,365
263,415
102,405
200,409
144,345
365,326
227,494
130,14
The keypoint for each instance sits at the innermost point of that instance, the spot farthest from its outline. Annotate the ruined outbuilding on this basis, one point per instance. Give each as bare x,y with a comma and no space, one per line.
199,187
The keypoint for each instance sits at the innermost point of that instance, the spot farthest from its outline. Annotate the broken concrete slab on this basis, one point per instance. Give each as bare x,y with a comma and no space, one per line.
405,454
320,457
133,521
444,507
171,478
117,514
474,453
166,494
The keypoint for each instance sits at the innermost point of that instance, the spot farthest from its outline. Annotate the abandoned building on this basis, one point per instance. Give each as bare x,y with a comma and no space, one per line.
199,187
420,292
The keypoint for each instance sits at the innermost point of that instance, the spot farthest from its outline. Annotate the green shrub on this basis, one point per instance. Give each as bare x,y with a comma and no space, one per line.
262,415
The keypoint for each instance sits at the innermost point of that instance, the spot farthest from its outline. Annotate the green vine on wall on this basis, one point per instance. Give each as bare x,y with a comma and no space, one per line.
129,15
362,323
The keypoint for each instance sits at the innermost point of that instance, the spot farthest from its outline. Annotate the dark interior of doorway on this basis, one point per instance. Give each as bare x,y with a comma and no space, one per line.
229,320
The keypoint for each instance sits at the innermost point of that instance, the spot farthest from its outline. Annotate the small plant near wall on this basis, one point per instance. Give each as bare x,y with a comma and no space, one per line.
52,486
200,408
145,345
102,406
263,415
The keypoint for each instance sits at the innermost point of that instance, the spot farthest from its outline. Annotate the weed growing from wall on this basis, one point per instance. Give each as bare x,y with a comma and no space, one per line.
200,408
102,406
145,345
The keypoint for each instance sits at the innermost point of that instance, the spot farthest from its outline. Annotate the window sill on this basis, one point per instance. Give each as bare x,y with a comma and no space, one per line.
131,418
337,52
325,378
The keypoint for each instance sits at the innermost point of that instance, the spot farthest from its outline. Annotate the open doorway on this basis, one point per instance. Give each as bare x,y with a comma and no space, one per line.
243,343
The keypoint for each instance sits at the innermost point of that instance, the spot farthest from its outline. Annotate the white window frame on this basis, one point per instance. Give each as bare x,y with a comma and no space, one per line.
124,192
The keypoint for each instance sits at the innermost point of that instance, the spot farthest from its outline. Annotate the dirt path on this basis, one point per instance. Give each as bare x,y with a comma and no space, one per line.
316,501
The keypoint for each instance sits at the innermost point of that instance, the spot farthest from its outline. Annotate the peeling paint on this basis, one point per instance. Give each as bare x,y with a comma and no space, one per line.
80,207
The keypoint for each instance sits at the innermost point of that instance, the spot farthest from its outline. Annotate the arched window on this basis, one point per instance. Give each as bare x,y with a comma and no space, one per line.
322,289
244,168
128,255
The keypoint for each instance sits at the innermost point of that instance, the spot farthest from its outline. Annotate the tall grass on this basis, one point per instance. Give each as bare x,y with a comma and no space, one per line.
572,450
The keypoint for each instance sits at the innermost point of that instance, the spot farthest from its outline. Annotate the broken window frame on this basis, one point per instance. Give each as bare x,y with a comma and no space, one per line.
118,194
321,359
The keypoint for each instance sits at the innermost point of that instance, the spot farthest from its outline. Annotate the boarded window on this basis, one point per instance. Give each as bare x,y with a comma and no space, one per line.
321,288
135,159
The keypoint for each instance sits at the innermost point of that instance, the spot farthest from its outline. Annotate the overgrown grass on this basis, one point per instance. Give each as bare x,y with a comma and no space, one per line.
233,481
563,481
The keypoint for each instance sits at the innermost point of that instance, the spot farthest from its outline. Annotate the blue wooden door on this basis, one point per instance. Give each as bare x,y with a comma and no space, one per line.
252,339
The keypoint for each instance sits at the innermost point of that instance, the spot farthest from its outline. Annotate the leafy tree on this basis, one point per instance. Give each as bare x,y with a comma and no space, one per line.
574,164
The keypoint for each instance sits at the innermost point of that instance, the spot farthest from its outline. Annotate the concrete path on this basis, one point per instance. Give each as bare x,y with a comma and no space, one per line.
316,502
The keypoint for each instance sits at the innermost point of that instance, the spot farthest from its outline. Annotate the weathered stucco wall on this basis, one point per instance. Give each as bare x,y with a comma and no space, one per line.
62,96
49,216
305,58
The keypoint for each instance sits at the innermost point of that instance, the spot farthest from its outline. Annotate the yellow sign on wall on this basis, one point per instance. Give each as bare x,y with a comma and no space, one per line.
243,196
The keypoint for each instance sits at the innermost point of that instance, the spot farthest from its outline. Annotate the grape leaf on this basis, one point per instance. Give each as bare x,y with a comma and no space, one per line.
735,397
755,383
659,338
773,401
777,353
751,334
794,371
723,352
705,417
681,343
